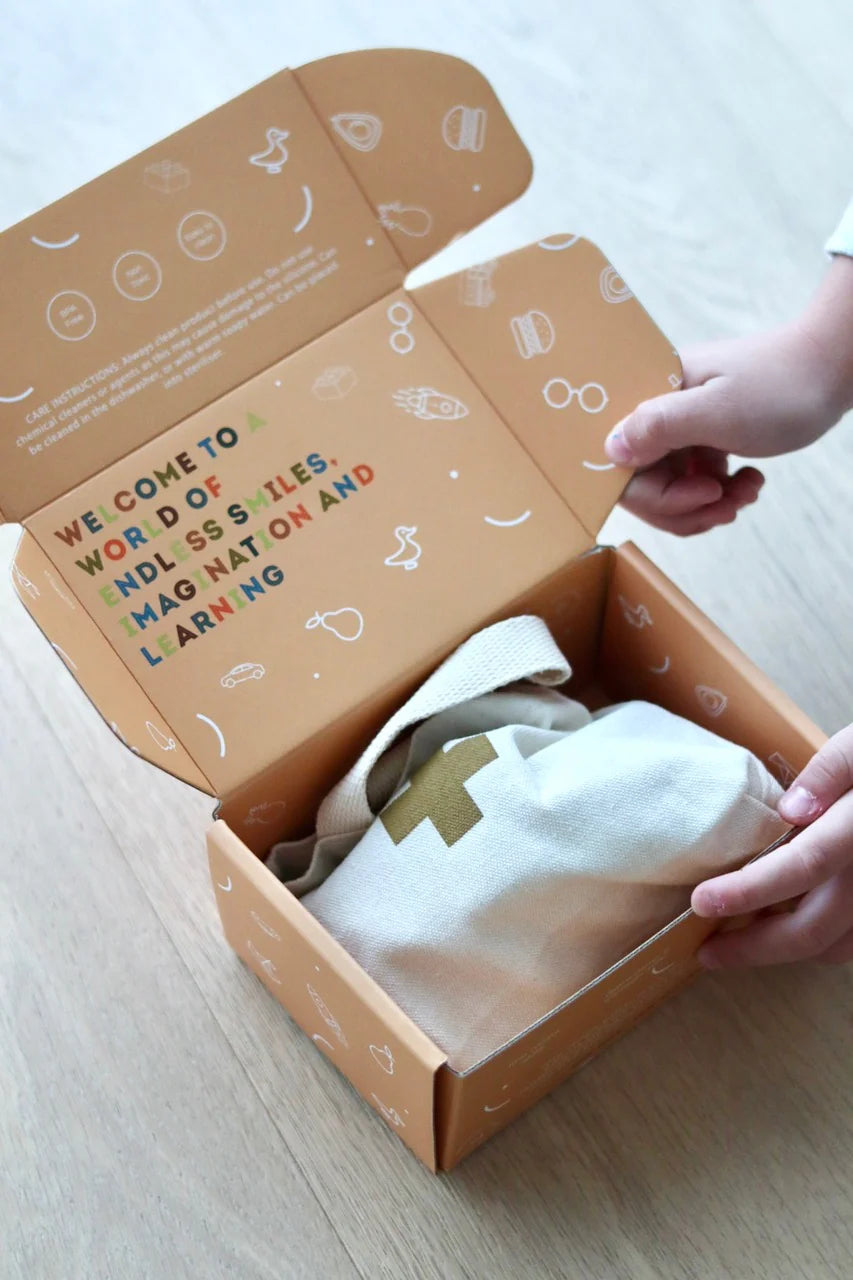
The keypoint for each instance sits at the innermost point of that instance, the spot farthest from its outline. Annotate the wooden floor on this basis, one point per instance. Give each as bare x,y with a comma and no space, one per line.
159,1114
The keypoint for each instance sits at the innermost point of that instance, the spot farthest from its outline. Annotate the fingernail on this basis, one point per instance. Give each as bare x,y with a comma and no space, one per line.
799,805
617,448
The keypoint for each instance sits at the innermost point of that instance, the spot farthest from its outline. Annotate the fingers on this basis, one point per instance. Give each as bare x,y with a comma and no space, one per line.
818,928
826,778
657,427
819,852
691,503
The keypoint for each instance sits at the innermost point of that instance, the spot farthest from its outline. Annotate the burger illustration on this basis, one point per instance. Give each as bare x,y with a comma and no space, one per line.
533,333
464,128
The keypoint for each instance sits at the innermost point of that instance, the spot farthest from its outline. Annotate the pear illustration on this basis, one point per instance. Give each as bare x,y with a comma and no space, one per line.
408,553
346,624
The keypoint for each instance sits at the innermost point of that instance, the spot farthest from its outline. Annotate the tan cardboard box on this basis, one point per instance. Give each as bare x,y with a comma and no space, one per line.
266,490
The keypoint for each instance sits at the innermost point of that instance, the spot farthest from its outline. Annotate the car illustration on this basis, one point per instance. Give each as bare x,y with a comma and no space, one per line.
244,671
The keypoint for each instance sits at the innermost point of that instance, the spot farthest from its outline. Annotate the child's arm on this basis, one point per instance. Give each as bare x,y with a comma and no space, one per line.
755,397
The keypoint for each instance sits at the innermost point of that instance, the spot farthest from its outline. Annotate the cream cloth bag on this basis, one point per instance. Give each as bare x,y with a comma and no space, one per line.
527,845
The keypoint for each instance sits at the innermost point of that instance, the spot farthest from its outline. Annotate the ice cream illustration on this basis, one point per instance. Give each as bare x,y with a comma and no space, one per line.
164,742
408,552
475,285
711,700
327,1015
275,157
613,287
464,128
361,129
408,219
533,333
784,770
346,624
426,402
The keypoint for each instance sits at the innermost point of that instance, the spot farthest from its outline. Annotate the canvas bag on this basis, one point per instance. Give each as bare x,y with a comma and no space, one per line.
528,845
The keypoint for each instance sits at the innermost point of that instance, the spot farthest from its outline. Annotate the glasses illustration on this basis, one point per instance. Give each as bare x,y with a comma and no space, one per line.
559,394
401,316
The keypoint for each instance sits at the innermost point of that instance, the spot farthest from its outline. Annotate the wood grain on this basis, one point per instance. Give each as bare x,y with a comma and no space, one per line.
159,1114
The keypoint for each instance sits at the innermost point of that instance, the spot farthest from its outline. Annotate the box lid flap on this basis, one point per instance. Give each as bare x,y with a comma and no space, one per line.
153,290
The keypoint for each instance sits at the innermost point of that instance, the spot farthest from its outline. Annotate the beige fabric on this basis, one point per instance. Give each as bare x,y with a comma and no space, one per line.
527,847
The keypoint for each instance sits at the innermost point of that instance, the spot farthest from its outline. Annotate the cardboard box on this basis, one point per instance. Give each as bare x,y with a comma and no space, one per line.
266,490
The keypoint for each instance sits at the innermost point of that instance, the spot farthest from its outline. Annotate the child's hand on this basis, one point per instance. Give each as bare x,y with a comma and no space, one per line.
755,397
817,864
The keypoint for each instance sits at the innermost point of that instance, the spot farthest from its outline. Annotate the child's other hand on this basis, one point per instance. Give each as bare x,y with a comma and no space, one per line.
754,397
816,867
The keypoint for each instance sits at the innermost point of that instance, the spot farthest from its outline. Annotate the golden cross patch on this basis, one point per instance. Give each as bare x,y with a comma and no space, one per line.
437,793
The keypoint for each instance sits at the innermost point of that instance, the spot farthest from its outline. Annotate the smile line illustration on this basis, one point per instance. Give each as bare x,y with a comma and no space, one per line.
58,244
508,524
216,729
16,399
309,209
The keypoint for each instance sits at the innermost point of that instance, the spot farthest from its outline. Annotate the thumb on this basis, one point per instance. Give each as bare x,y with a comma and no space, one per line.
678,420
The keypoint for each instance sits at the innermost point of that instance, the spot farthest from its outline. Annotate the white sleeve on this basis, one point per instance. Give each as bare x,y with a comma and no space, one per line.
841,240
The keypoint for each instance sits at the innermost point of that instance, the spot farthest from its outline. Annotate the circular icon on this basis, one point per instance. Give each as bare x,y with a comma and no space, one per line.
400,313
201,235
401,341
137,275
71,315
559,394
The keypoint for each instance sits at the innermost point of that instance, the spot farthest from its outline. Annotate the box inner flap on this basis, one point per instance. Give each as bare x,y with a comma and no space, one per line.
151,291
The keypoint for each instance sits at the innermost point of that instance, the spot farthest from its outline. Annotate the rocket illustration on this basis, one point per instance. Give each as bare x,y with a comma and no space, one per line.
409,220
426,402
408,553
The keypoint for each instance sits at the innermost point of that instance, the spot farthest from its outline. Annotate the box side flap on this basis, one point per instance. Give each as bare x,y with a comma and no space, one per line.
96,667
563,349
152,290
425,136
349,1018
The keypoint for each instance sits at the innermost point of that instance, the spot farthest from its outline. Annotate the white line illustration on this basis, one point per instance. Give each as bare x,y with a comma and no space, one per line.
202,235
661,968
475,285
242,672
505,1103
350,628
16,399
163,741
636,615
464,128
401,339
613,287
166,176
69,662
58,589
674,381
216,729
711,700
408,553
318,1039
389,1113
23,582
599,466
408,219
784,770
71,315
334,383
56,244
227,887
137,275
264,961
663,668
262,924
508,524
591,397
275,157
556,243
427,403
309,209
261,815
533,333
361,129
327,1015
383,1058
118,733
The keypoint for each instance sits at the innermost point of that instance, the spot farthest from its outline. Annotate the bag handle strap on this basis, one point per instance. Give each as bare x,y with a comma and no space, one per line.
518,649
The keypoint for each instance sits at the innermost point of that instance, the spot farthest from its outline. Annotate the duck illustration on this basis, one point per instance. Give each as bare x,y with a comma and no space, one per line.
275,157
408,553
408,219
426,402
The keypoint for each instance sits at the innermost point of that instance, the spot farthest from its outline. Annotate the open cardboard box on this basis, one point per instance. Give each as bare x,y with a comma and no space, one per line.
266,491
